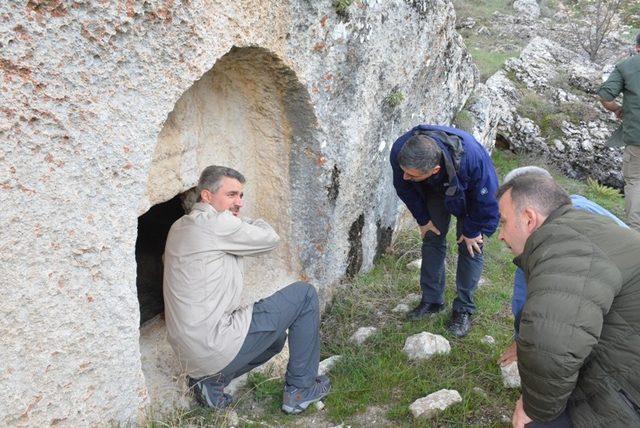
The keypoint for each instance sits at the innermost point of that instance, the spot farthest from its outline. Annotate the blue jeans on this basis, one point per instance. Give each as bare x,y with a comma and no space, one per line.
434,250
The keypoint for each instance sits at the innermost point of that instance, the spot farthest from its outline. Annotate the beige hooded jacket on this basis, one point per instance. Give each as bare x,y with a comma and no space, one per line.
203,279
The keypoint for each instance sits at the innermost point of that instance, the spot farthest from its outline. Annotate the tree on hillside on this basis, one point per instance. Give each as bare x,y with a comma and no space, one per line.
596,20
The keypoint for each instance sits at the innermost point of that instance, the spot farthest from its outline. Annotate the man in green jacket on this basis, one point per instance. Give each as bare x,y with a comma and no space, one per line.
625,80
579,344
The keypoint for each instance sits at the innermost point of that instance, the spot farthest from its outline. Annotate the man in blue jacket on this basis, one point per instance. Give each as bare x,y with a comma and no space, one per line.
440,171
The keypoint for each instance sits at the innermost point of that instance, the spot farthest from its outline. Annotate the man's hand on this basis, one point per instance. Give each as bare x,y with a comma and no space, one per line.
428,227
510,355
612,106
473,244
520,418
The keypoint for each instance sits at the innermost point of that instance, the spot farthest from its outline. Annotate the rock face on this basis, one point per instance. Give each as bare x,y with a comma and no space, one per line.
555,86
428,406
527,8
425,345
110,108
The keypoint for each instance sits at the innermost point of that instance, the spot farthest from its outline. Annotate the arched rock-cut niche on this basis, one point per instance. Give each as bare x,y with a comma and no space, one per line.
251,113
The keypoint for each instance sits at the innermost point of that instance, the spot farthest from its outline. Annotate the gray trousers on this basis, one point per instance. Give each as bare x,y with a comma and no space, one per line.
631,172
295,308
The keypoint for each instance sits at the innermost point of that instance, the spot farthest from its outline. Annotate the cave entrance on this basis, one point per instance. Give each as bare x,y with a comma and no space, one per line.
153,227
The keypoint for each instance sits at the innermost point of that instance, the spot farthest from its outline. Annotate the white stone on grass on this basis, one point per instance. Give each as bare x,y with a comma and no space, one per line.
428,406
414,264
510,375
411,298
327,364
362,334
489,340
402,308
236,384
319,405
425,345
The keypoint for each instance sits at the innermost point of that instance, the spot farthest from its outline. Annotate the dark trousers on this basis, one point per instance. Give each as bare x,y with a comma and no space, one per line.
434,250
295,308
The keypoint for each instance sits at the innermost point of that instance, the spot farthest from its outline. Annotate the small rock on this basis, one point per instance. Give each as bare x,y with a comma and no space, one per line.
401,308
327,364
231,418
362,334
428,406
482,282
236,384
411,298
505,419
510,375
424,345
479,391
319,405
489,340
414,264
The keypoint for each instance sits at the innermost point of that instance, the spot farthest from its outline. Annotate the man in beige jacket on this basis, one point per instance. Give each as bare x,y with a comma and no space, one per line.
214,337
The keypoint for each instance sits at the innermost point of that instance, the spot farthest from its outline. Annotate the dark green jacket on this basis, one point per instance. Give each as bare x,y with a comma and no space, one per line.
579,344
625,79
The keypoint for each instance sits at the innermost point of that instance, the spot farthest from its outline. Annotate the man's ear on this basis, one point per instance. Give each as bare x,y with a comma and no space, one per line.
436,169
530,219
205,195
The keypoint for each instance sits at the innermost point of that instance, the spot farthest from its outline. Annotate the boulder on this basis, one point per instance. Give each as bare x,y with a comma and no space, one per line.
527,8
434,403
327,364
425,345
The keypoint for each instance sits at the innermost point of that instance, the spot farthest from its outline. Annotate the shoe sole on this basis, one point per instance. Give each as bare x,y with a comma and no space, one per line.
301,407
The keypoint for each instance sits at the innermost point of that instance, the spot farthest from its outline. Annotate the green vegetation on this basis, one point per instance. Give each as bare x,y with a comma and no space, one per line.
463,120
341,6
549,116
394,99
488,53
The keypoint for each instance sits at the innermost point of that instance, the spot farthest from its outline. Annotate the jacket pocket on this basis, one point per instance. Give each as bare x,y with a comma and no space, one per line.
626,398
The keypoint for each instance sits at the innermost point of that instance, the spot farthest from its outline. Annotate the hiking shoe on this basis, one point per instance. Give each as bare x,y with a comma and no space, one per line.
424,310
459,324
209,393
295,400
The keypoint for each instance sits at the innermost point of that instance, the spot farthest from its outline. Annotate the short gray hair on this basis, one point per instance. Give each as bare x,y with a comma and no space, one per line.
211,178
537,190
420,152
531,169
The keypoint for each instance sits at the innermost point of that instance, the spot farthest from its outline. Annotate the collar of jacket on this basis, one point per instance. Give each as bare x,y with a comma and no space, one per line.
202,206
520,260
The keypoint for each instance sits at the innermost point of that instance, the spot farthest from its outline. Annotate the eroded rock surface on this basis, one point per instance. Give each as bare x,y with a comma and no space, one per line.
109,108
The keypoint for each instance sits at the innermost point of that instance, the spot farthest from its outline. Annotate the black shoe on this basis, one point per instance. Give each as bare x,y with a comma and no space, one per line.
209,392
459,324
424,310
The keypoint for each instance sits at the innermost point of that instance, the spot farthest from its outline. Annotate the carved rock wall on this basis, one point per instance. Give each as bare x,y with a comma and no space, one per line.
108,108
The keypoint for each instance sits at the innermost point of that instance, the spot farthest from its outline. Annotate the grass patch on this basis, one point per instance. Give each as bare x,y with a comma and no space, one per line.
342,6
394,99
549,116
488,60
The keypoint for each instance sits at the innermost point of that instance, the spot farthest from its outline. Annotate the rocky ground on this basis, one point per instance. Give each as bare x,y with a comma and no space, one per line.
543,98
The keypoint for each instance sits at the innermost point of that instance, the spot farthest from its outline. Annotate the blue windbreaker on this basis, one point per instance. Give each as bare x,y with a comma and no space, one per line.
474,202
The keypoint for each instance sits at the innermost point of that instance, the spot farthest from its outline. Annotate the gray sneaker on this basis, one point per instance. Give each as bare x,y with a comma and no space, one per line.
295,400
209,392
